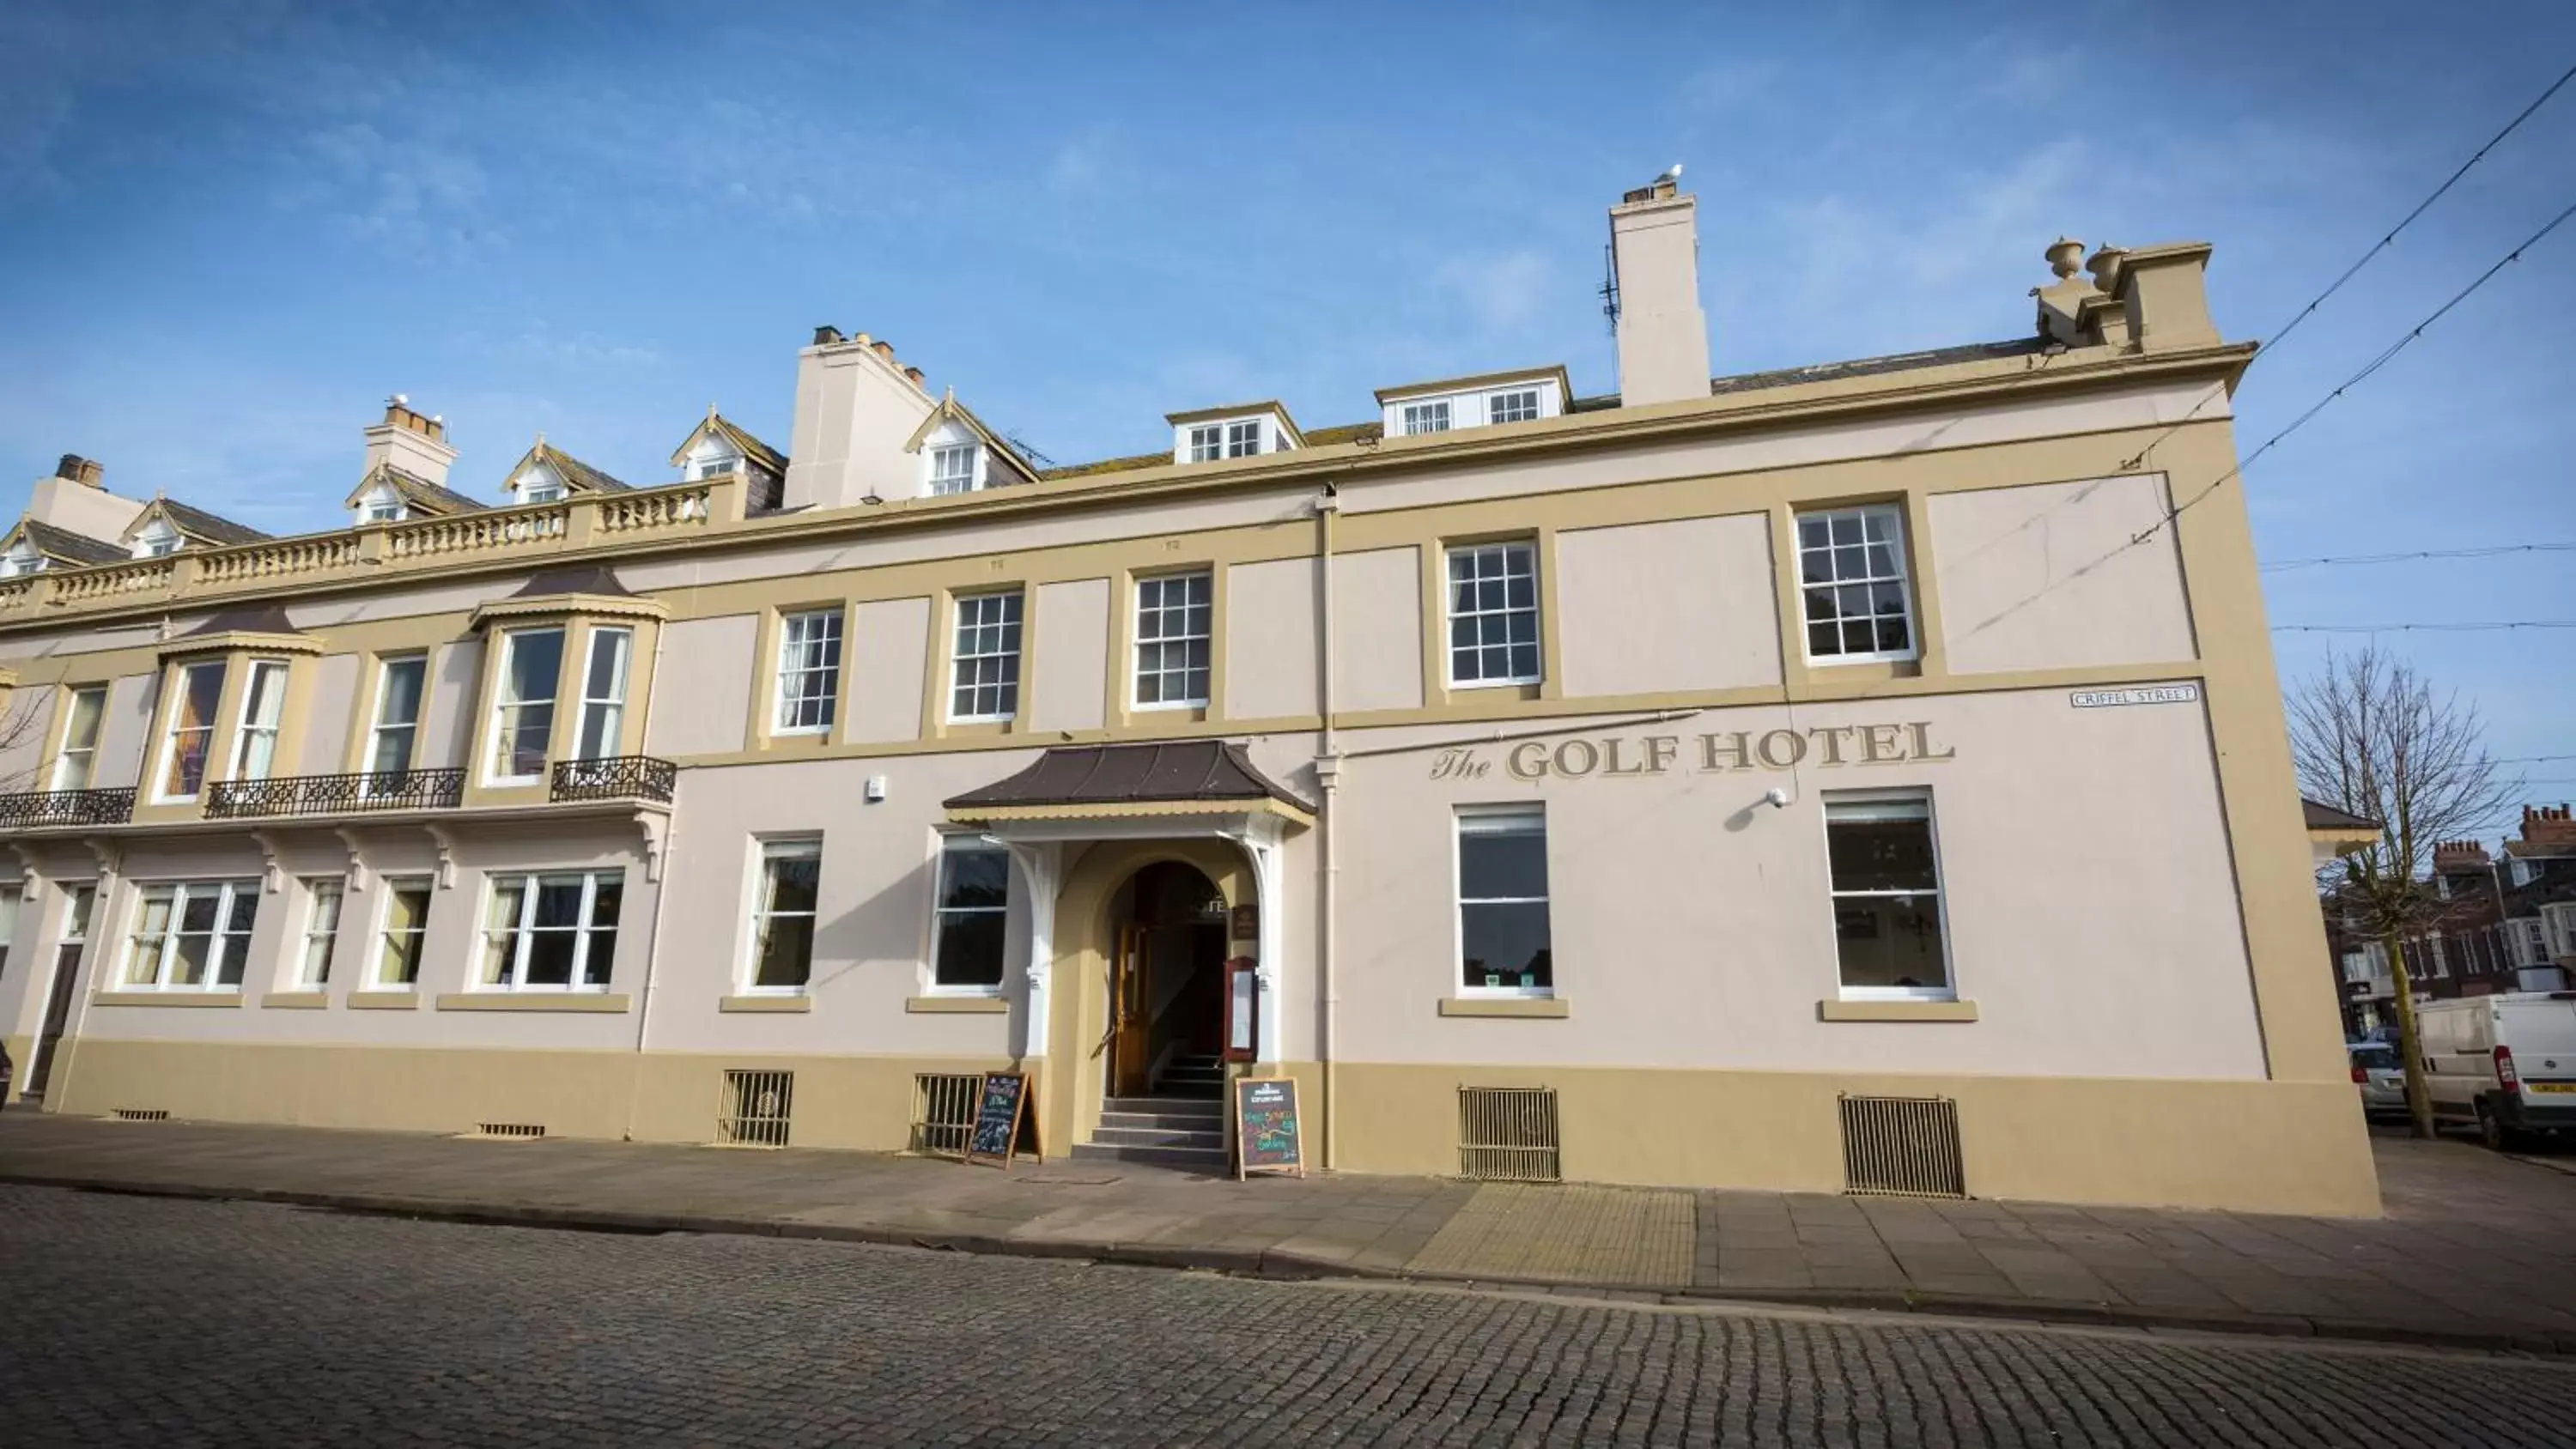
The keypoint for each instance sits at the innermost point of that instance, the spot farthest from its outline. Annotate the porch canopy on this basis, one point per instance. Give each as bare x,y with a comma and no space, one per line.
1189,777
1073,795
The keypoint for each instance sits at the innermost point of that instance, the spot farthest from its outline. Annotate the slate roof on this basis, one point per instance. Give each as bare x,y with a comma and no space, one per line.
412,488
1873,366
753,448
577,475
197,523
1190,771
596,581
2327,817
258,619
70,547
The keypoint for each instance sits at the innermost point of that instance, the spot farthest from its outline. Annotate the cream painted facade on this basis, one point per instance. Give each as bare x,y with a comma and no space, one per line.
2126,1009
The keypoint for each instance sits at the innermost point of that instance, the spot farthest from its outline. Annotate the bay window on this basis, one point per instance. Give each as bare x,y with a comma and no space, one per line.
191,936
1885,872
551,932
263,708
197,690
603,693
1503,945
524,715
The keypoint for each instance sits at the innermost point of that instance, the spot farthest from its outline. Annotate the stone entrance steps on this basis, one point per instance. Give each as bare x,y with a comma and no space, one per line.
1161,1131
1192,1076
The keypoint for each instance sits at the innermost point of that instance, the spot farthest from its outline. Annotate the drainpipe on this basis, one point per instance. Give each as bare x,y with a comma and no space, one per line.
1328,775
661,857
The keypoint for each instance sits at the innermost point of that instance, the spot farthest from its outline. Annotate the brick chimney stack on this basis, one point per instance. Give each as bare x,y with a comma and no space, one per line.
2459,856
414,443
2547,825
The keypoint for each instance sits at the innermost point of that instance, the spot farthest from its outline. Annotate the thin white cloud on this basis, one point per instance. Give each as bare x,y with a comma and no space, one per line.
1499,292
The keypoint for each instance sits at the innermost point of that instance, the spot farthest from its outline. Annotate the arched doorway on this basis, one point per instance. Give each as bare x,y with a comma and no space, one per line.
1166,997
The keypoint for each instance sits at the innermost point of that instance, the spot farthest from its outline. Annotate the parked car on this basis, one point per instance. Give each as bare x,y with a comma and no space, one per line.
2380,1073
2505,1063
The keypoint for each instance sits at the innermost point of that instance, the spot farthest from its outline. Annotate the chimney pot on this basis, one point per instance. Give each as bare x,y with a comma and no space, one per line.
915,374
80,470
825,336
884,349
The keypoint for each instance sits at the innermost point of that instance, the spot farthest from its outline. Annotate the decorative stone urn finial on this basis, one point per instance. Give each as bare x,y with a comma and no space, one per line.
2065,256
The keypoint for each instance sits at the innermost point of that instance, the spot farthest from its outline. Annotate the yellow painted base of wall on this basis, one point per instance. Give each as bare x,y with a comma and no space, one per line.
2280,1147
21,1051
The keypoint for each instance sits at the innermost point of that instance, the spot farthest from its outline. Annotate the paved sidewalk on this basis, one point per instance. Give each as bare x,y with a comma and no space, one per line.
2477,1250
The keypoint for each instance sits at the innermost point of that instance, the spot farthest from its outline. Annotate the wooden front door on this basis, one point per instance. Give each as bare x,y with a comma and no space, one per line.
1130,1065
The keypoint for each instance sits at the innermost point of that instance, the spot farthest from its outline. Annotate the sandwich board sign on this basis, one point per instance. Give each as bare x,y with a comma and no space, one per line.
1269,1135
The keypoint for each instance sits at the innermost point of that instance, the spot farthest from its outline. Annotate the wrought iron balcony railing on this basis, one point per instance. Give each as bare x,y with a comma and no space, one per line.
65,807
618,777
335,794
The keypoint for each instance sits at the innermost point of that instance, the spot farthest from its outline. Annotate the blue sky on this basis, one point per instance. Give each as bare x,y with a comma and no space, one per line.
232,228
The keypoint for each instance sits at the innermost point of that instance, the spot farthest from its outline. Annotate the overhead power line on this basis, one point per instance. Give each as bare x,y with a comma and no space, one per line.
2530,759
2386,356
2423,628
2428,553
2265,348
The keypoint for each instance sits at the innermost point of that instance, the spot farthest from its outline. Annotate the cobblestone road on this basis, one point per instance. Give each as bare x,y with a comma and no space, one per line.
144,1321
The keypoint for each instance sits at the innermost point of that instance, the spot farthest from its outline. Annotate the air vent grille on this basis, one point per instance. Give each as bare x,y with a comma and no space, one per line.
943,1111
142,1114
755,1109
510,1131
1902,1146
1508,1134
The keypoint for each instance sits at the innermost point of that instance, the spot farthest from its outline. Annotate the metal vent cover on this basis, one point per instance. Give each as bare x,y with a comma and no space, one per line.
755,1108
141,1114
943,1111
515,1131
1902,1147
1508,1134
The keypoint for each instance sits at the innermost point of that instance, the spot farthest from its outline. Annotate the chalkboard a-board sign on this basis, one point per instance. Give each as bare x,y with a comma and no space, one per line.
1004,1101
1269,1135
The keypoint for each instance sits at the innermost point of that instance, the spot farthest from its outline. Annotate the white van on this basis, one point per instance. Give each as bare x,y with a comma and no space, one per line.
2506,1063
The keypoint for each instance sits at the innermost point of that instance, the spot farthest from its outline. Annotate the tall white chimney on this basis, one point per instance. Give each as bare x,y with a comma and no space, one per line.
415,444
1654,256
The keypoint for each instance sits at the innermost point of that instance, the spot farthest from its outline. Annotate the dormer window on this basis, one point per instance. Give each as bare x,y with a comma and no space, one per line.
1200,439
713,465
26,558
159,540
380,504
1472,402
541,489
953,467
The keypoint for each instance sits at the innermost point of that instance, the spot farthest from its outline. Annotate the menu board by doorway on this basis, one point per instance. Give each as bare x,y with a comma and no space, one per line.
999,1111
1269,1136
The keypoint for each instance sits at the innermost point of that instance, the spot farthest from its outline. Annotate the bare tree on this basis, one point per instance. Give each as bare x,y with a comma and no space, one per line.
2371,737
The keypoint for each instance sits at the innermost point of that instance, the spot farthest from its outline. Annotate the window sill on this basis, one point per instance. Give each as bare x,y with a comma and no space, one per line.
165,998
392,998
297,1000
1533,1006
956,1005
765,1003
591,1001
1895,1010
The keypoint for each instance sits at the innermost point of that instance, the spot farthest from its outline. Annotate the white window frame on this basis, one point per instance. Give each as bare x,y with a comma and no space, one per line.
317,890
1472,407
962,841
2528,939
540,485
1450,613
379,727
764,851
1459,899
609,708
1162,612
503,704
1948,990
228,894
786,704
714,465
248,730
22,560
2560,917
2437,958
1213,440
180,676
158,540
1429,415
1014,626
938,479
383,930
1203,443
1495,400
1893,516
68,756
523,931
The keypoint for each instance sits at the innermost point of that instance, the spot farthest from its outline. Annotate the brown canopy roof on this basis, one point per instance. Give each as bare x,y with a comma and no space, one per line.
1191,771
2327,817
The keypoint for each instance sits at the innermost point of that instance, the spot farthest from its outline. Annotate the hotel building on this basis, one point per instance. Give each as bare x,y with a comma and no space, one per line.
1862,776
